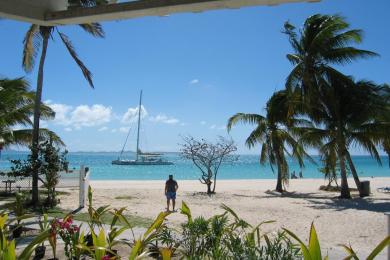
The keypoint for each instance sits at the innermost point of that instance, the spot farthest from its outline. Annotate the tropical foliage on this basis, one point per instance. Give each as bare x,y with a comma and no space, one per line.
36,38
274,133
223,236
16,109
321,107
51,161
344,111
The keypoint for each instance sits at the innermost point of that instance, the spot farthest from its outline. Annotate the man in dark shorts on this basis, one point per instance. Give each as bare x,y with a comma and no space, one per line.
170,191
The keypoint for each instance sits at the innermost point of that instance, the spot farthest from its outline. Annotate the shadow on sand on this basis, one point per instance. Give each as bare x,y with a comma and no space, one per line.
321,201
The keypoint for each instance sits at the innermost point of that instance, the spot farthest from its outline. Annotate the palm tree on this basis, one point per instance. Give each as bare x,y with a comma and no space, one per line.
272,132
384,119
16,108
324,40
38,36
344,115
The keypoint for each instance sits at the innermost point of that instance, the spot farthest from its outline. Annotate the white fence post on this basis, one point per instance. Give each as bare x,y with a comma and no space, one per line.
388,233
81,187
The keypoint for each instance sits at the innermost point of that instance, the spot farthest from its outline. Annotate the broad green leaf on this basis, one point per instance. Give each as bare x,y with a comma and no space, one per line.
186,211
3,219
157,223
352,254
135,250
99,243
305,250
166,253
9,253
314,244
385,242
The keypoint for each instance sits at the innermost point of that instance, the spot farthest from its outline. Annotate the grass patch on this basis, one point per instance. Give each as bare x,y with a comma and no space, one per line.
124,197
136,221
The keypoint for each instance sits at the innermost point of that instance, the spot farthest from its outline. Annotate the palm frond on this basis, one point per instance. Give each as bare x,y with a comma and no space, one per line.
244,118
31,45
95,29
344,55
68,44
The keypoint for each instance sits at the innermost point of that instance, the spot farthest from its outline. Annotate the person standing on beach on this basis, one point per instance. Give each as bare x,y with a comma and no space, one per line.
170,191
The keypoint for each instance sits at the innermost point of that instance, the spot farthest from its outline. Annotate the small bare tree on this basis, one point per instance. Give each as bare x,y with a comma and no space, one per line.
208,157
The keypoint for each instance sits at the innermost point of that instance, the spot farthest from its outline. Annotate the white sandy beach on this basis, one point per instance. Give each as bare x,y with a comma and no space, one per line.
360,222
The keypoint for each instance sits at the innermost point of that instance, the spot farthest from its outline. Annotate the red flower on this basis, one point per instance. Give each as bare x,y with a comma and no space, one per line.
69,219
75,228
106,257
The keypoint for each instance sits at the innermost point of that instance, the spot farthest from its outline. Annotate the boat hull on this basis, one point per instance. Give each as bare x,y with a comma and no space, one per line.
132,162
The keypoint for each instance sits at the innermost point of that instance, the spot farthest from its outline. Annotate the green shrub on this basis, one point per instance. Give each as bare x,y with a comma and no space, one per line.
223,236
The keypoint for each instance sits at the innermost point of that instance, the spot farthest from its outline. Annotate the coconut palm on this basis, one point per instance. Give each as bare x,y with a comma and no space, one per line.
272,133
324,40
16,109
384,119
38,37
344,116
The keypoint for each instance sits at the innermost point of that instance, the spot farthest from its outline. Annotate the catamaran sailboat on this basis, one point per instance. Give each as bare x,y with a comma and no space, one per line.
141,158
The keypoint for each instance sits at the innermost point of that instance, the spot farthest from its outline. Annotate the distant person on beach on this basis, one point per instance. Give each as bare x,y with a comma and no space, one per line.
170,191
300,174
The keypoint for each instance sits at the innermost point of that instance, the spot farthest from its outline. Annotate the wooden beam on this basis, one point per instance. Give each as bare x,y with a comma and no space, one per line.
140,8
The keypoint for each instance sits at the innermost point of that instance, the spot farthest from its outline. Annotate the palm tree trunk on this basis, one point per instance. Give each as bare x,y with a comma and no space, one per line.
279,183
37,115
345,194
354,173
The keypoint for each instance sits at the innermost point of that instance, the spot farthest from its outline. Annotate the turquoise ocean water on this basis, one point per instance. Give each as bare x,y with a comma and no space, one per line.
247,167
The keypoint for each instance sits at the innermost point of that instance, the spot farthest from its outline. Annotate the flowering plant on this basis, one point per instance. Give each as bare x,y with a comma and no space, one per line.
70,234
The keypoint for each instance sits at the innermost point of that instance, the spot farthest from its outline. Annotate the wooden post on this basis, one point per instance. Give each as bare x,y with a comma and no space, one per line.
81,187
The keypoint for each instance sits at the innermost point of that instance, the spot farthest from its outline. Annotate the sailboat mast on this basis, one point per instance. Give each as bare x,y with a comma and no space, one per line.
139,123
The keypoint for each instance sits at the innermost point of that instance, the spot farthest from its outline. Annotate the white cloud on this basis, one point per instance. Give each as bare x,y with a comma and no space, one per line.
91,116
213,126
104,128
68,129
194,81
113,130
203,122
62,113
161,118
131,114
124,129
81,116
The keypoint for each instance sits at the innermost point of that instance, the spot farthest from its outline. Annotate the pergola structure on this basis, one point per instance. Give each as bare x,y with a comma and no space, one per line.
57,12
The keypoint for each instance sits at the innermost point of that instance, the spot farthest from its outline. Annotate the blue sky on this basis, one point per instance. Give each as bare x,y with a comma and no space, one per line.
196,70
